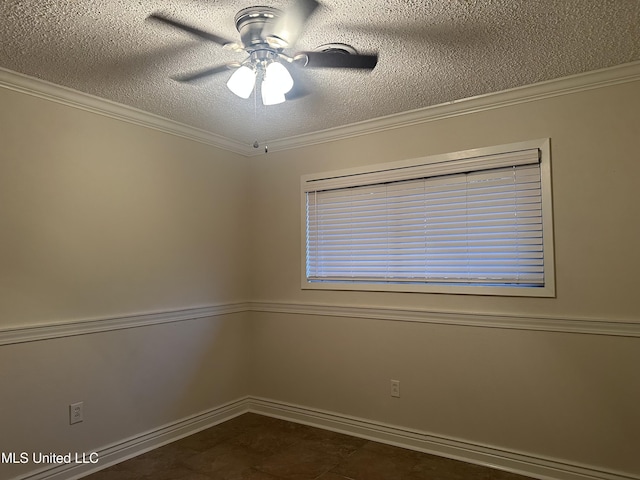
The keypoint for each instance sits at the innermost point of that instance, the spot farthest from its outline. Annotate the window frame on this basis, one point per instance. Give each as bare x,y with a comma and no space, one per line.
548,290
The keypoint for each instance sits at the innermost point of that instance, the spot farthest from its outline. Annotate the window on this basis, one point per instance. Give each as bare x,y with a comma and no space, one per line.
476,222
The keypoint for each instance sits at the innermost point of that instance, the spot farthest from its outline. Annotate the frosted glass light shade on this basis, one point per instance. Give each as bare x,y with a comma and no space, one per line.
271,93
280,76
242,82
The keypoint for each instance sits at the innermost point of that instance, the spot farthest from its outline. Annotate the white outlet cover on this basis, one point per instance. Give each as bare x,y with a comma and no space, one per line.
395,388
76,413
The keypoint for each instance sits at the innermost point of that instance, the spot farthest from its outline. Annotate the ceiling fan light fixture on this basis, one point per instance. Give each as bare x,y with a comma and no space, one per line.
242,81
278,74
272,94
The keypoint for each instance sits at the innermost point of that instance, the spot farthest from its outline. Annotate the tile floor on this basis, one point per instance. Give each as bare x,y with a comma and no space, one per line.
255,447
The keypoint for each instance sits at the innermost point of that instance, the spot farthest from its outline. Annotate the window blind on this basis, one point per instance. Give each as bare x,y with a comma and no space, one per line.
482,226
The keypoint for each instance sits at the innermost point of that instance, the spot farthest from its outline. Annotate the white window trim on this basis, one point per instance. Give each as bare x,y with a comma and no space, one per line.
548,290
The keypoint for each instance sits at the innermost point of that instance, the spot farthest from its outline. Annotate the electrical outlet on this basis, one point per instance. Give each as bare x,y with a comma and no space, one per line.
395,388
75,413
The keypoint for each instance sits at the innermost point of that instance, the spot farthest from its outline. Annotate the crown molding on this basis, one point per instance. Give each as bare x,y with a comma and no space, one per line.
628,72
73,98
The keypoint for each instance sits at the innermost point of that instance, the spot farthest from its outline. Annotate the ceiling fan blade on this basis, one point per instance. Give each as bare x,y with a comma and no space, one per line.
300,90
287,28
189,29
337,60
193,76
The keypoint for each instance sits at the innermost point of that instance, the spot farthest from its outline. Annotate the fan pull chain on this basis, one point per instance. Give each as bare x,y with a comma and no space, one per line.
255,115
264,127
255,120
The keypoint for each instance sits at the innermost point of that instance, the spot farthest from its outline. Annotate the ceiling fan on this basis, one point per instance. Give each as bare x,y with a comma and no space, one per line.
265,34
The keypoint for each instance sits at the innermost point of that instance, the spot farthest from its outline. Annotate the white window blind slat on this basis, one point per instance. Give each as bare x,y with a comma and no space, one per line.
478,221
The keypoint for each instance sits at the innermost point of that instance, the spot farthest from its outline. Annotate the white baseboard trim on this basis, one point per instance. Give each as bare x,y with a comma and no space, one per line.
139,444
516,462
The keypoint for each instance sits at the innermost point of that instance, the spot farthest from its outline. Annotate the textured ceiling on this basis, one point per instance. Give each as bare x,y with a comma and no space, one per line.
430,52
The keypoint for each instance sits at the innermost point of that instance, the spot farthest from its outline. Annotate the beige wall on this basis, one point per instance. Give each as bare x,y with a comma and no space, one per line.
132,382
101,218
594,170
567,396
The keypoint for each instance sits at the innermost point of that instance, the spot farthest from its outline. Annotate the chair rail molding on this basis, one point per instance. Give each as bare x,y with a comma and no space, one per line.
577,325
565,324
31,333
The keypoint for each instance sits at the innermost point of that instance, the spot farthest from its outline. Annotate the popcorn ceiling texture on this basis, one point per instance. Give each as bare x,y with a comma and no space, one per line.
431,52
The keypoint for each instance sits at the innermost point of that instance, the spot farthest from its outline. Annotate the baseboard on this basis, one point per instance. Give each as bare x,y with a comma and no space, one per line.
515,462
511,461
139,444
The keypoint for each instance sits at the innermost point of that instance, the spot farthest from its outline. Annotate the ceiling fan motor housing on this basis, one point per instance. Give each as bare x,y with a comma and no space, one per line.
266,33
250,23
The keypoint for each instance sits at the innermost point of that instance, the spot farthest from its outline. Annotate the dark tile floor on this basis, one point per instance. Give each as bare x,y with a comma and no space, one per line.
255,447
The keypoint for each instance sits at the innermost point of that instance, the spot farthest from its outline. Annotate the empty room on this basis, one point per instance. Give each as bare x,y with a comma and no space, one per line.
292,240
